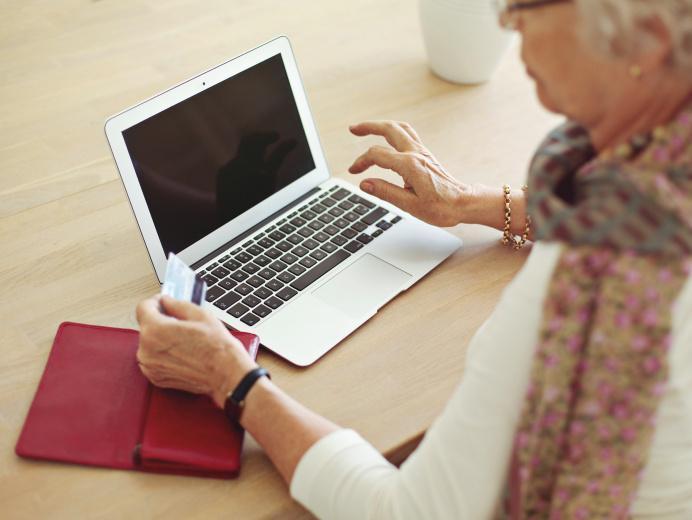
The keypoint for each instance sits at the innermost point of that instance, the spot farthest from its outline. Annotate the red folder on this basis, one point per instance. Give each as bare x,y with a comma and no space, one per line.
93,406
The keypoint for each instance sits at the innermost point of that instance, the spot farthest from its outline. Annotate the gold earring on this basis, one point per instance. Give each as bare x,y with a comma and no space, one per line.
635,71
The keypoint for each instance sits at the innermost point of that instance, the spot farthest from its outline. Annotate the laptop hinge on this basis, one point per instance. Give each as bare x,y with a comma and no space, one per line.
253,229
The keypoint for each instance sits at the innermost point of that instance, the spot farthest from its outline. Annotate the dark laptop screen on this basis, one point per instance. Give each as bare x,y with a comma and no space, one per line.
210,158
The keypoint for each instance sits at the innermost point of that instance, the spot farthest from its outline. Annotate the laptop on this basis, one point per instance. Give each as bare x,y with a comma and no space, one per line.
226,171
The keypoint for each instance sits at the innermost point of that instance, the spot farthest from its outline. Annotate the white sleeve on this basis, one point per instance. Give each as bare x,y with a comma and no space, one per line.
459,469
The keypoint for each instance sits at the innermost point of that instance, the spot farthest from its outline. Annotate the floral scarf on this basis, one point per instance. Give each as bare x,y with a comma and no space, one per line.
601,363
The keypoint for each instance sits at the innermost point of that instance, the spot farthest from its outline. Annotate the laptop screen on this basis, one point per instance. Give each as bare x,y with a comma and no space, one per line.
208,159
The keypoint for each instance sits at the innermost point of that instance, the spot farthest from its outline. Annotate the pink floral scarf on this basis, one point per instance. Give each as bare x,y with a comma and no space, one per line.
601,363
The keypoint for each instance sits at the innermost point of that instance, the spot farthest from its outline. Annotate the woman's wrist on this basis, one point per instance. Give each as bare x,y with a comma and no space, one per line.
485,205
229,367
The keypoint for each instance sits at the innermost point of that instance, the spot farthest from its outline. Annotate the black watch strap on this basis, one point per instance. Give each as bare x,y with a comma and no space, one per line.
236,399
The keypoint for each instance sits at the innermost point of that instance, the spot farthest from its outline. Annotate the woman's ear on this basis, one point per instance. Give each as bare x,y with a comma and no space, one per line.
655,50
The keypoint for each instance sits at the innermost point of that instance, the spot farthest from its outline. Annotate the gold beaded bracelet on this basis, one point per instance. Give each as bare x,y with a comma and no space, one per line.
508,239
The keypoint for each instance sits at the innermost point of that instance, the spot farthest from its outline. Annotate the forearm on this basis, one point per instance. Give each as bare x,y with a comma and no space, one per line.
487,208
283,427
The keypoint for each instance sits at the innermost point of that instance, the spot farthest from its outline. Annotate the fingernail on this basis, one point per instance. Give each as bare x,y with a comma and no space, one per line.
366,186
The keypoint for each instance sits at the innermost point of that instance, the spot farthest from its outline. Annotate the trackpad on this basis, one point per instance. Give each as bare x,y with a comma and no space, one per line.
363,287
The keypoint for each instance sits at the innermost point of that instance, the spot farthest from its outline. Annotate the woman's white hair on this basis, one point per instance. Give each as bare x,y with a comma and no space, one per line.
619,26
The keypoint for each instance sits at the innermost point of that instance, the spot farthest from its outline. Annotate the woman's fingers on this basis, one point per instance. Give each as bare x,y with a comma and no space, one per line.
149,311
379,156
182,310
396,134
389,192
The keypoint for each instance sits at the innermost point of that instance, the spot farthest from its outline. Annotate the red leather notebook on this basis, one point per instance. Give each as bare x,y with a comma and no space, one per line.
93,406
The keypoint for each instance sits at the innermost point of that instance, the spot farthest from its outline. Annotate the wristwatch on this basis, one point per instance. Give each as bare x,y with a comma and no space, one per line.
235,401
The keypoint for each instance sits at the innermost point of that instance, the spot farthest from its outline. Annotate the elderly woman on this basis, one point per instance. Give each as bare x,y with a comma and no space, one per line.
577,397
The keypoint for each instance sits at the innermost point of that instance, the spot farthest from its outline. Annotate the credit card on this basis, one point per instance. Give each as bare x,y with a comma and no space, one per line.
182,283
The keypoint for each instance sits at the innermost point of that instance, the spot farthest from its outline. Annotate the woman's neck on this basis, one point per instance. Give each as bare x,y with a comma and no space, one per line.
631,117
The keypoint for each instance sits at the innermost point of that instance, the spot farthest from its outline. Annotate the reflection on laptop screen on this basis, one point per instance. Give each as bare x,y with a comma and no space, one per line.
210,158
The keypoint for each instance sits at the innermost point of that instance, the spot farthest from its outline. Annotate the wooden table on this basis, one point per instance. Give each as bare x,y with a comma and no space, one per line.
71,249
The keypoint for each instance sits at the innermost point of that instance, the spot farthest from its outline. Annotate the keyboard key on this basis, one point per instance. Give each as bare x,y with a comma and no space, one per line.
278,266
328,247
266,243
295,239
328,202
340,194
296,269
273,253
336,212
251,300
353,246
287,228
228,283
273,302
291,215
274,285
230,299
316,225
212,266
310,243
246,244
349,233
377,233
339,240
351,216
214,292
286,293
243,289
320,269
239,276
243,257
266,274
255,250
307,261
361,210
261,311
319,237
251,268
249,319
303,208
224,258
256,281
396,219
364,238
308,215
232,265
281,222
289,258
284,246
374,216
359,226
384,225
236,251
323,195
237,310
326,218
330,230
306,231
360,200
300,251
297,222
341,223
318,254
210,279
286,277
262,293
345,205
262,260
276,235
319,208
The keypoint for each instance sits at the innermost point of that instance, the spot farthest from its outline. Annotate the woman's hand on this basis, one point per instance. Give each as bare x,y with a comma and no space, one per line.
189,349
429,193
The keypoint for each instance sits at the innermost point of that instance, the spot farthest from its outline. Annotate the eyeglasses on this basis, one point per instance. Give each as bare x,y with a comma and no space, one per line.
508,11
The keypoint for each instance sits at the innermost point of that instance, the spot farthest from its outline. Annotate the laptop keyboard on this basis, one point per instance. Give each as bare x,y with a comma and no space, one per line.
252,280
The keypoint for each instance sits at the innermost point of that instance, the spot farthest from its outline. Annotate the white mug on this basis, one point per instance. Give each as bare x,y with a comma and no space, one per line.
463,39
